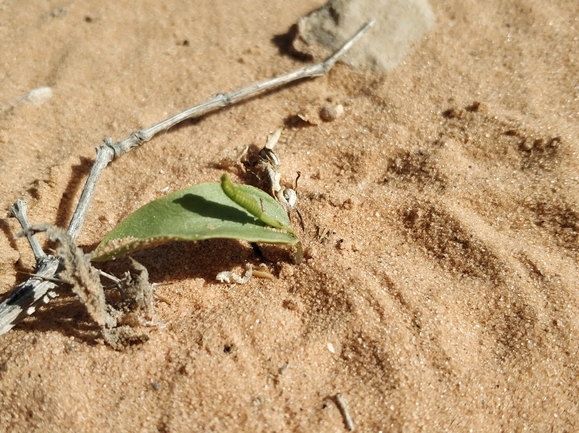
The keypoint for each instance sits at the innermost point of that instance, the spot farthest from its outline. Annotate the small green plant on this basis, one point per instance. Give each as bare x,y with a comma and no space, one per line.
201,212
204,211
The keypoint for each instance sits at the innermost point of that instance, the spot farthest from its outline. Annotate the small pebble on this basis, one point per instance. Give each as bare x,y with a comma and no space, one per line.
331,348
39,95
330,113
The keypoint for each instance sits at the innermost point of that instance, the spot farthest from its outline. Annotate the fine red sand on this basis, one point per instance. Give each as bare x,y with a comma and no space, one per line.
440,289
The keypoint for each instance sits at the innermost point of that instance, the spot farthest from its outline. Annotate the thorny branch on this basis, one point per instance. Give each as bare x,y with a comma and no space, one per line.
36,291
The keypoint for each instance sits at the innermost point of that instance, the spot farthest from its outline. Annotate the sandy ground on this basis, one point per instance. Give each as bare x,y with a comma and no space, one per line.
440,290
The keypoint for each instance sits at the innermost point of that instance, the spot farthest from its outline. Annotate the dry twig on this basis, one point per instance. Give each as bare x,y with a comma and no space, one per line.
344,409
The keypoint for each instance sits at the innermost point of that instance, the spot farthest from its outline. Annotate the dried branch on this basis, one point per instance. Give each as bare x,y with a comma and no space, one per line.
18,210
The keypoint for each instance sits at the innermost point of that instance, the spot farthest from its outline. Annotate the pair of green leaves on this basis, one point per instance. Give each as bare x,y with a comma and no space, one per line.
204,211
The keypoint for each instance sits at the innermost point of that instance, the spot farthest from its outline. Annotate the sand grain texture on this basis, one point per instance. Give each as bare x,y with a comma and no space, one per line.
446,280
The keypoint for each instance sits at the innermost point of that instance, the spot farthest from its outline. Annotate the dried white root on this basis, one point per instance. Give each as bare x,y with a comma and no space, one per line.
269,163
344,409
232,277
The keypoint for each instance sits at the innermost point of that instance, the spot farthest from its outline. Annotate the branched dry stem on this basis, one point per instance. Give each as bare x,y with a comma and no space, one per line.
25,297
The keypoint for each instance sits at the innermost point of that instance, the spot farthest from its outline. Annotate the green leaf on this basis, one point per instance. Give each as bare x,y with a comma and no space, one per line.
200,212
251,205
